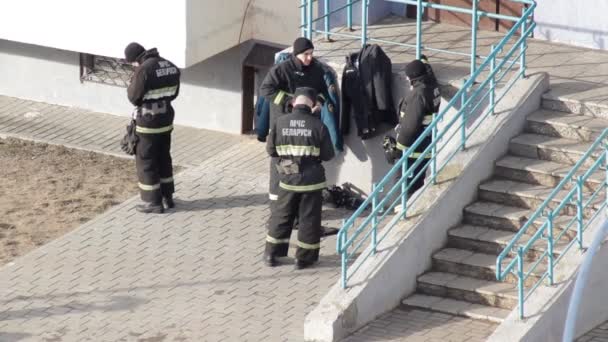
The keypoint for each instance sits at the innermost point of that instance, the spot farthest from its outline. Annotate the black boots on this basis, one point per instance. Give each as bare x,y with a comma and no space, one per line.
168,202
270,260
150,208
301,264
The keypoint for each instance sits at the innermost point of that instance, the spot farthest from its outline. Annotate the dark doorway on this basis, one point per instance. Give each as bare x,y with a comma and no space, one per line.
247,99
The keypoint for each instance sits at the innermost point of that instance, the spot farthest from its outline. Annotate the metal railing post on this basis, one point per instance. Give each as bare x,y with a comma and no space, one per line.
606,168
522,66
579,211
374,218
520,281
492,80
404,188
463,129
550,246
326,20
349,15
303,4
418,29
474,21
309,19
343,252
363,22
434,151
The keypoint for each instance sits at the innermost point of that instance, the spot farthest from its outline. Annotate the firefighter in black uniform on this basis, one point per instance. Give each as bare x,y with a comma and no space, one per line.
155,83
300,142
300,70
416,113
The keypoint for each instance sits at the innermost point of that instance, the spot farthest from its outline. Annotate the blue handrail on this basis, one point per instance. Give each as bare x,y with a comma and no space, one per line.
476,14
470,96
549,211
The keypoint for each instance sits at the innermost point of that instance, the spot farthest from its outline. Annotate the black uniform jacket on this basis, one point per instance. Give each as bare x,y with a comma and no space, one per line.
283,79
374,93
301,141
155,83
422,100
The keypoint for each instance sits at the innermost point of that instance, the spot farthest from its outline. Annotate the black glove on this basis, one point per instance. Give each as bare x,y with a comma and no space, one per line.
389,144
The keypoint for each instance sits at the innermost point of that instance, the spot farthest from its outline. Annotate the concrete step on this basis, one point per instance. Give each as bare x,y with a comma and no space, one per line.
560,150
569,105
457,307
493,241
499,216
476,291
480,265
538,171
565,125
525,195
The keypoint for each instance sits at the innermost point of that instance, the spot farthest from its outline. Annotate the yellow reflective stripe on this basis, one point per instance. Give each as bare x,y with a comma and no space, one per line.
402,113
147,130
308,245
427,119
276,241
279,98
303,188
297,150
147,187
155,94
414,154
166,180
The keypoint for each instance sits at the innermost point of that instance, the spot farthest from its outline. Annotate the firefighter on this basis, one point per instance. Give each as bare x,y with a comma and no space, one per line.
301,69
300,142
155,83
416,113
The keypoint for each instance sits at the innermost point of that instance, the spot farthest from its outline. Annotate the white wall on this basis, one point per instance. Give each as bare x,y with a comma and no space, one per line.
101,28
210,96
579,23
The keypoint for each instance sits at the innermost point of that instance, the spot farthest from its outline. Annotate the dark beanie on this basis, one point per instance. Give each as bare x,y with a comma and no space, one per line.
300,45
415,69
132,51
311,93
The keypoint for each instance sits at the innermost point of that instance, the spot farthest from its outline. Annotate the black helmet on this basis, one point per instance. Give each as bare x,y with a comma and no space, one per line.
415,69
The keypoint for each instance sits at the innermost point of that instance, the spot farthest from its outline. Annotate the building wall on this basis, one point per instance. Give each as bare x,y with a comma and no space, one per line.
210,95
573,23
102,28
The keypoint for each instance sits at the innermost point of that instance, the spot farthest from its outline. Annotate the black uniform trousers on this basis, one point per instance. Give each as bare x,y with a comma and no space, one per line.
154,166
421,169
305,205
273,182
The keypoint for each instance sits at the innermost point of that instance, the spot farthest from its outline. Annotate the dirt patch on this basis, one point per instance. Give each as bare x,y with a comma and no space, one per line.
49,190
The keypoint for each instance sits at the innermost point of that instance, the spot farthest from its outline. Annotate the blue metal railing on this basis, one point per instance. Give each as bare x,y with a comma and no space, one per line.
308,19
550,209
478,95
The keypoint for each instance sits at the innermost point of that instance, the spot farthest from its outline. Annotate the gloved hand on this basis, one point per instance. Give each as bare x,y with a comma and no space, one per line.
389,144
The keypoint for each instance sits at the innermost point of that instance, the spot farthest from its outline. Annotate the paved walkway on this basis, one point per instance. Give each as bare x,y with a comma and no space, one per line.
597,334
193,274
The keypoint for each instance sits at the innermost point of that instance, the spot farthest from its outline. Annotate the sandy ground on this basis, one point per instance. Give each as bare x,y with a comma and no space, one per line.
49,190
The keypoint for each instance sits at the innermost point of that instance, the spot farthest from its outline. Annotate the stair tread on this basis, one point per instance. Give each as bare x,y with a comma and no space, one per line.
545,166
579,121
510,212
502,237
528,190
554,143
483,260
464,283
457,307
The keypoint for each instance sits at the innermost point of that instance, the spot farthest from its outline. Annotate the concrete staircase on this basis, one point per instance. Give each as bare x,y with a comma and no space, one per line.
462,278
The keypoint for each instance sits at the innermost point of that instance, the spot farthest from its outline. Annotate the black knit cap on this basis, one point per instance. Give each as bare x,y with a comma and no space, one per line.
300,45
132,51
311,93
415,69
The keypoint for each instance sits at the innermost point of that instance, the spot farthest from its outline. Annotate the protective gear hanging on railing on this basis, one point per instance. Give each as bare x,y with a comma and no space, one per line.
367,91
